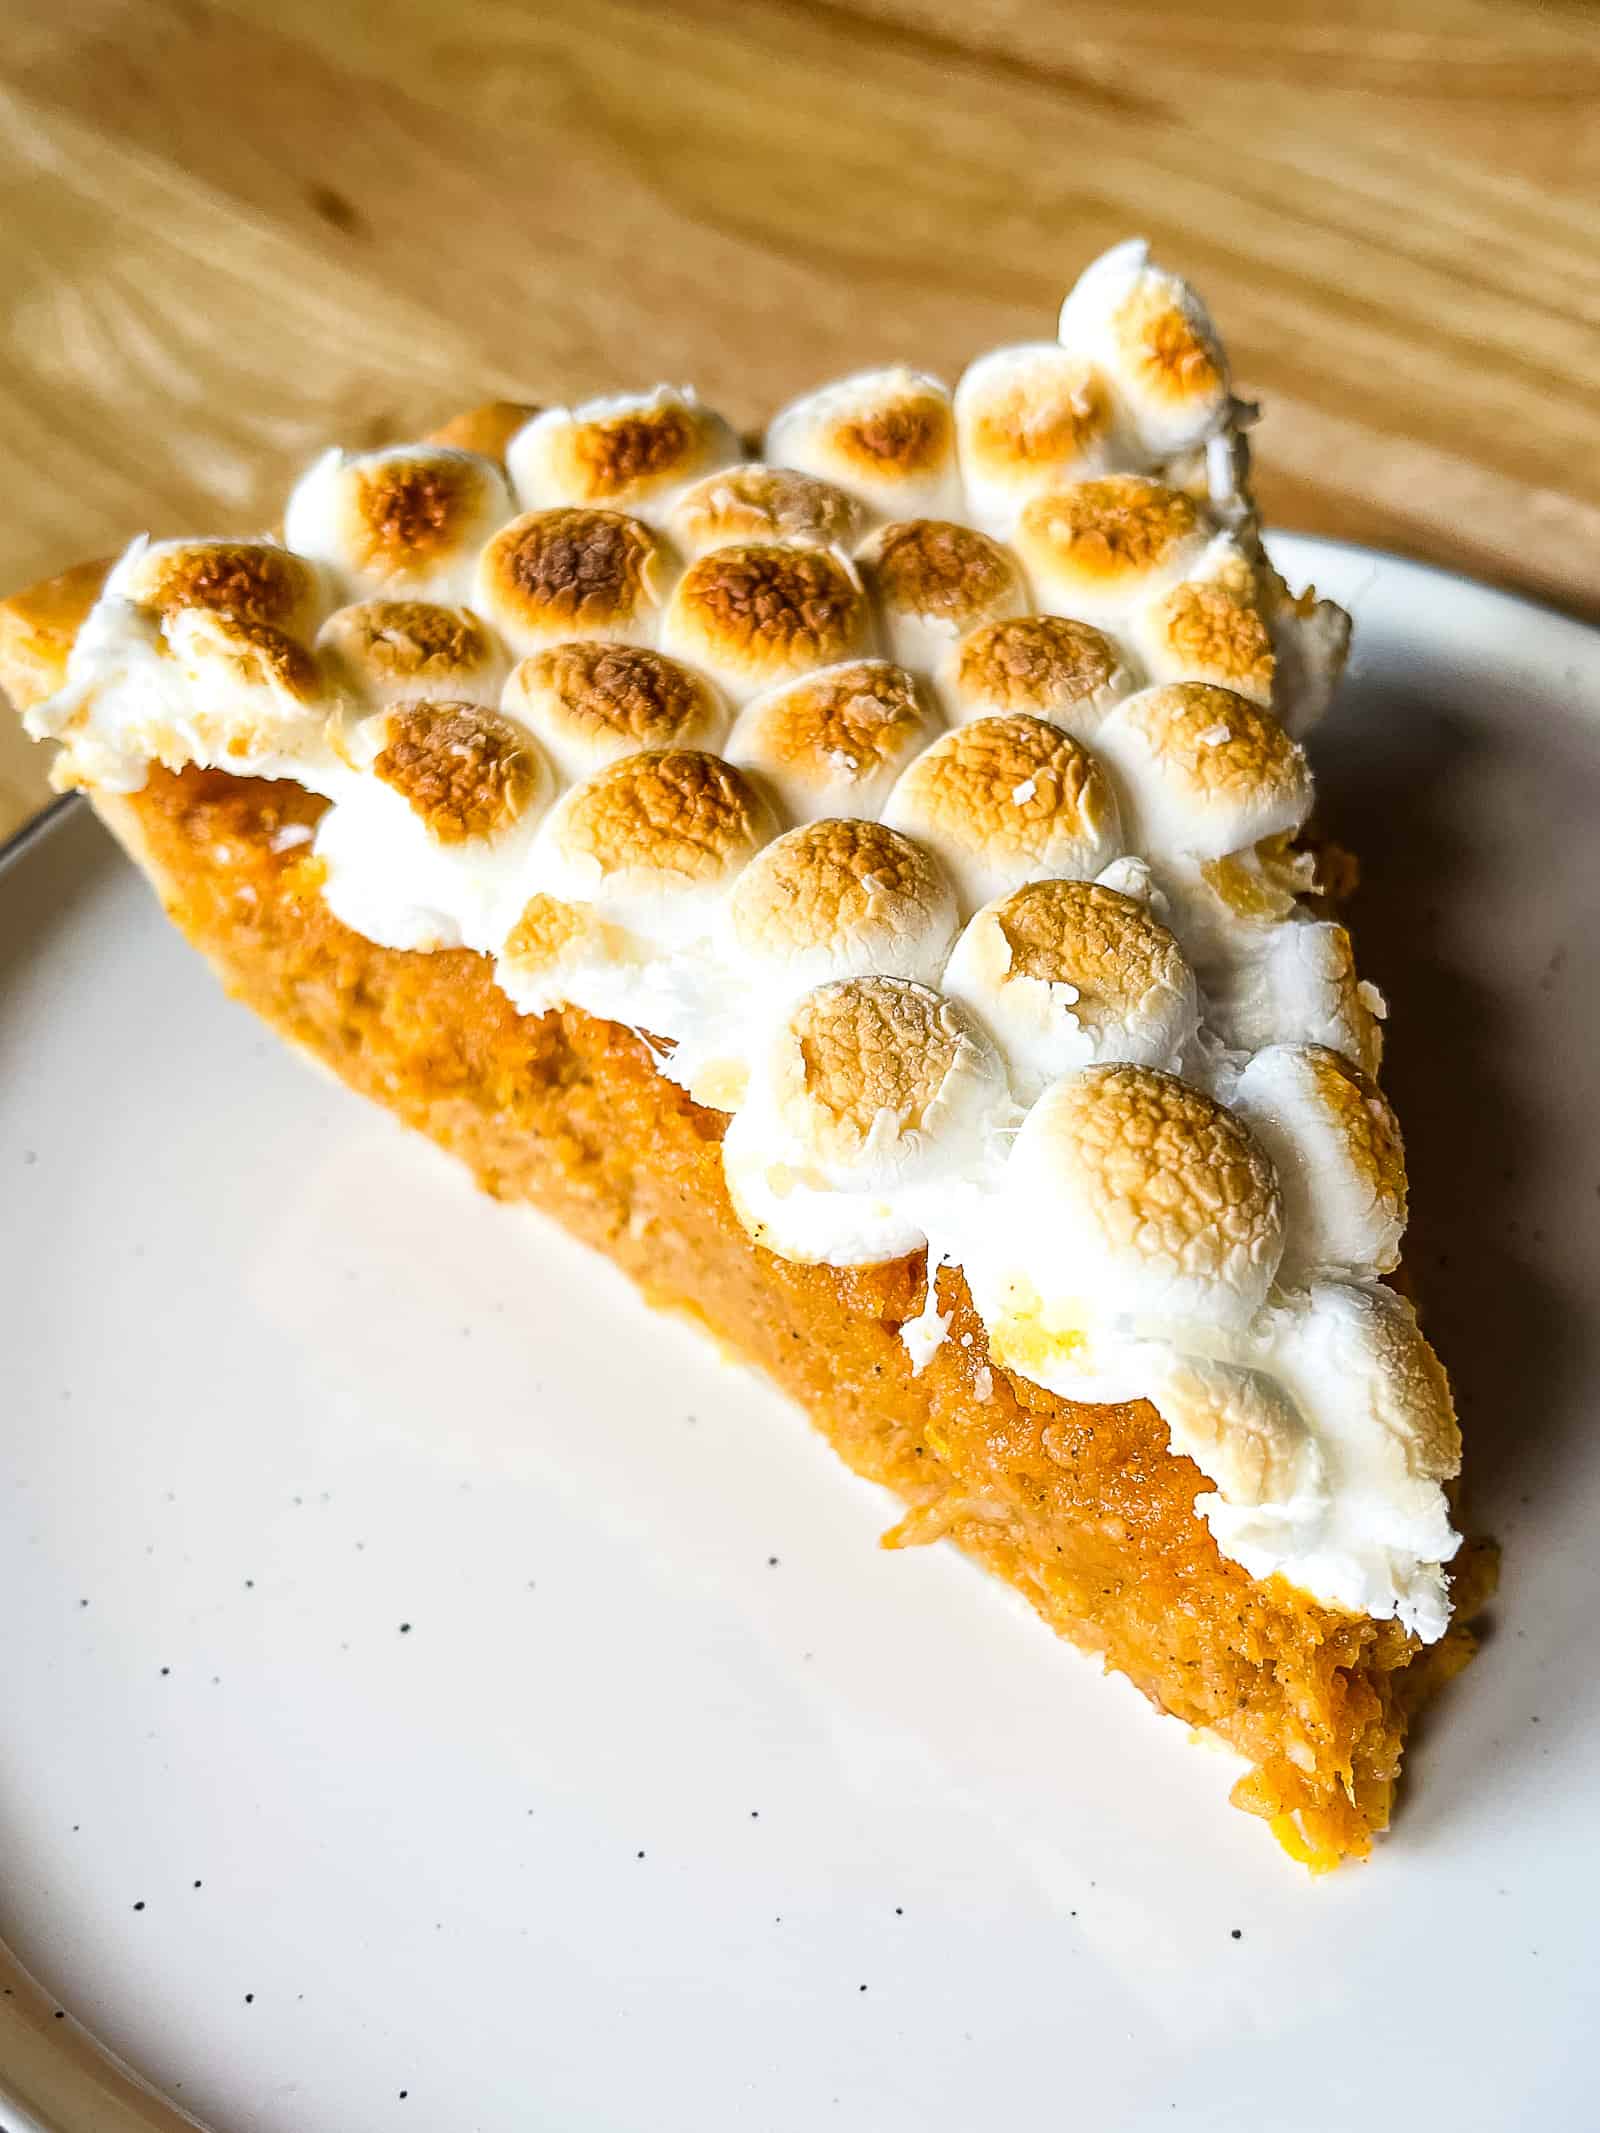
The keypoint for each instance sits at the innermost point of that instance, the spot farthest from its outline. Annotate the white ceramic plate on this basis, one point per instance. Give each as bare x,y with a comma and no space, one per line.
439,1693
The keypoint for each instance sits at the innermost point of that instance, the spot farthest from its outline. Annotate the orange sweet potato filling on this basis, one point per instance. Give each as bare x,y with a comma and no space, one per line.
1083,1509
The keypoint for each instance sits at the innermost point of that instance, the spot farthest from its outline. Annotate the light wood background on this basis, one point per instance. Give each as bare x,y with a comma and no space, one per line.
234,230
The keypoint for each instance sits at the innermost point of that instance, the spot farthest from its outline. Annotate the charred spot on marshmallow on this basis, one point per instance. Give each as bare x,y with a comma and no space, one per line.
1103,541
933,579
755,614
591,702
1210,772
851,897
464,770
673,812
1007,800
383,650
409,511
628,452
400,523
834,741
247,582
565,573
1045,665
761,503
907,436
1336,1145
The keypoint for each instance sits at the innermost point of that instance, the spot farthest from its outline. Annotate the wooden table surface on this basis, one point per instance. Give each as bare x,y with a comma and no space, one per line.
231,232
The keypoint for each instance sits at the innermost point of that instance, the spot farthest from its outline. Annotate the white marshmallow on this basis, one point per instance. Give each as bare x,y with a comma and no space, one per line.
1297,985
1336,1146
1151,337
931,581
631,452
653,842
754,502
1007,800
1027,420
1371,1535
884,436
756,614
1133,1208
868,1115
1203,772
1069,973
1101,550
428,847
833,742
405,523
591,702
1064,672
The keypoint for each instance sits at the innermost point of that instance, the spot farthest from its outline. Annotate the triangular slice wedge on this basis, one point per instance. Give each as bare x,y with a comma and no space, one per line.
859,884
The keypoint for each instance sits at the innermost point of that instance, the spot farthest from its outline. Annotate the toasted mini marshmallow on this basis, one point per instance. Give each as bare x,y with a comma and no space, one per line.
1371,1538
932,581
885,436
1007,800
1098,550
1239,1426
842,899
402,524
551,576
1205,771
1310,643
380,652
1052,668
254,690
1133,1208
486,429
833,742
1151,337
1210,627
632,453
1067,973
255,582
875,1102
182,667
1339,1157
756,614
654,841
1296,983
1027,420
754,502
590,703
426,849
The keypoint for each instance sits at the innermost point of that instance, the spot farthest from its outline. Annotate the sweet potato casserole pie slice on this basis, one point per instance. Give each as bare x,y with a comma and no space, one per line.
860,888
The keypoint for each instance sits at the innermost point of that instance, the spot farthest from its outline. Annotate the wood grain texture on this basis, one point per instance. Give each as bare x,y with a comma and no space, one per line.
231,232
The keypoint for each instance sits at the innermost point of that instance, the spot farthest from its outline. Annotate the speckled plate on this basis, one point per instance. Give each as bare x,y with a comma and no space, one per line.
438,1693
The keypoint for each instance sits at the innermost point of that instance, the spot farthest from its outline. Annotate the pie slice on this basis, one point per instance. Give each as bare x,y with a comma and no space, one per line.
863,889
